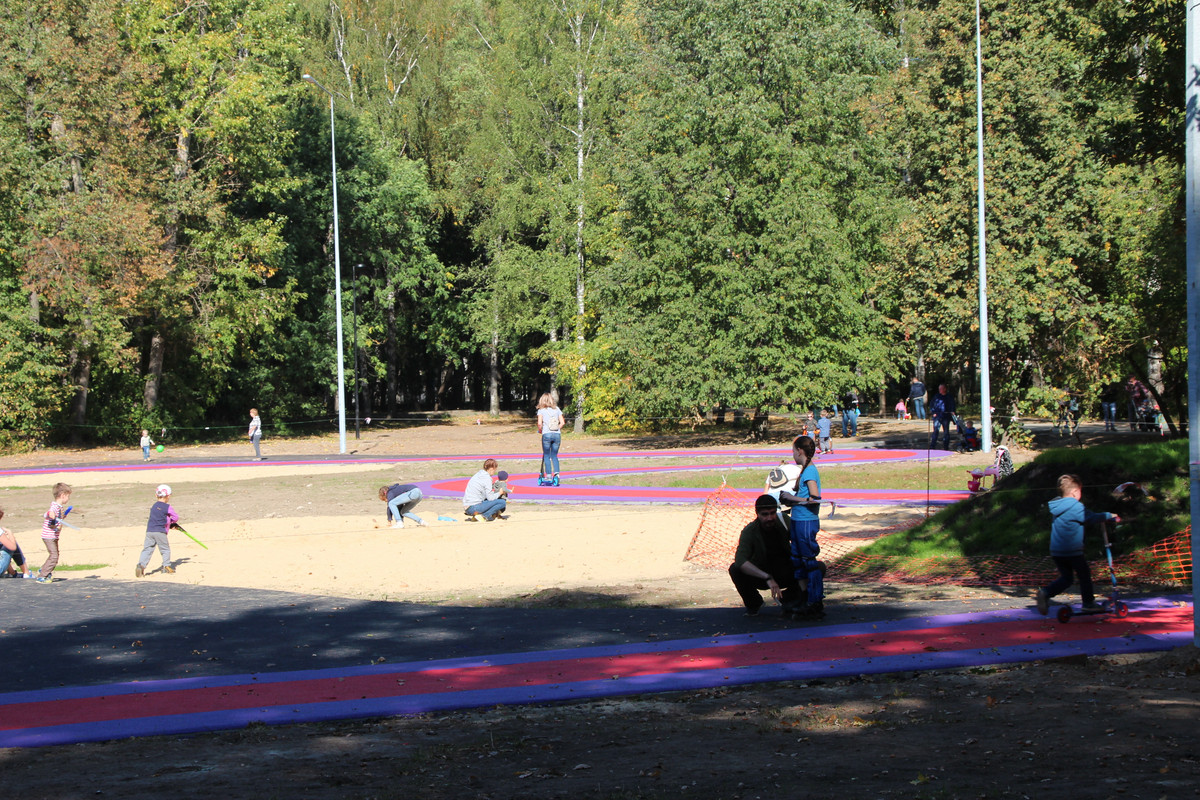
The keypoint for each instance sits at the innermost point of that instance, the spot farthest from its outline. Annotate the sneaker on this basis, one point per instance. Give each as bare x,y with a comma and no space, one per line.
398,523
751,612
167,568
472,518
139,571
1092,606
43,580
1043,602
422,524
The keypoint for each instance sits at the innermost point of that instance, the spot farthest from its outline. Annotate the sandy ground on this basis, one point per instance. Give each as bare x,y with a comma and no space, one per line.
320,529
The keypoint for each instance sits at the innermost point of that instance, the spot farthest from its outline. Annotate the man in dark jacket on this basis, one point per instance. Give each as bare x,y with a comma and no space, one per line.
941,410
763,559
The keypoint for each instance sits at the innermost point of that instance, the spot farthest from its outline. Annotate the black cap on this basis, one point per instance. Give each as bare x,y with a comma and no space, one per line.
502,475
766,503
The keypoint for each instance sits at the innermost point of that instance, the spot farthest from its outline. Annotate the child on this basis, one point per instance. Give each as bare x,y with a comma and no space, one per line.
501,484
1066,543
10,554
52,529
970,437
804,498
401,499
146,444
901,409
825,432
162,519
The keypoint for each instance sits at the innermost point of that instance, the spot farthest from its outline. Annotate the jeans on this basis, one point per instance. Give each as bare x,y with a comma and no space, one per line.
918,407
488,509
943,421
1109,412
1077,566
849,422
551,440
146,453
402,505
254,440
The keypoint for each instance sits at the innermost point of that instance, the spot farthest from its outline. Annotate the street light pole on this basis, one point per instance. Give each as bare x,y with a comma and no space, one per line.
985,381
337,274
354,338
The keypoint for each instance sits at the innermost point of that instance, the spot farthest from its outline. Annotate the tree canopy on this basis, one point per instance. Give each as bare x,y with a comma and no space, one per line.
655,209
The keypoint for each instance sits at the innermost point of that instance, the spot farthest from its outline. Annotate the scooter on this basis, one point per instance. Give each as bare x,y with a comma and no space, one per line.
1113,605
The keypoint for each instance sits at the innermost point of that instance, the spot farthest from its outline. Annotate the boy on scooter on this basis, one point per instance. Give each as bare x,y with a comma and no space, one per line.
1066,544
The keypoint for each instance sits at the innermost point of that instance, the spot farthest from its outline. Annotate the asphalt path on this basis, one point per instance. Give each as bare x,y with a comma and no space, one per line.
88,631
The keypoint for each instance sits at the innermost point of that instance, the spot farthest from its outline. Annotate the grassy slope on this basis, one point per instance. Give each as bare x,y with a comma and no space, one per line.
1013,519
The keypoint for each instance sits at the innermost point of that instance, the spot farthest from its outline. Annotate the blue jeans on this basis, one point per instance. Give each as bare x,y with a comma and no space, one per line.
402,505
1109,411
919,407
943,421
551,440
849,422
488,509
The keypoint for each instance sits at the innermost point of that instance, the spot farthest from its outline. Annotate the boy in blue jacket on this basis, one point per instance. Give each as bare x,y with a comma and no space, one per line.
1066,543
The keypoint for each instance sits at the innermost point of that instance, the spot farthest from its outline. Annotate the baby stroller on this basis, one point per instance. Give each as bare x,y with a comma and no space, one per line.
970,441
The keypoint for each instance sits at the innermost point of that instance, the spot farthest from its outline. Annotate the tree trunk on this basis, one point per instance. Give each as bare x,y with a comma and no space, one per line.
82,371
390,351
154,369
494,367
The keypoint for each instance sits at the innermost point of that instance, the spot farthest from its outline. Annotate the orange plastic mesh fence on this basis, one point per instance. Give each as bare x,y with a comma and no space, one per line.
727,511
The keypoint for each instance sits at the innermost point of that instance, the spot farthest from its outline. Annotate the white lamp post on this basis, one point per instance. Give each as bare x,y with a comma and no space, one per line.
985,384
337,275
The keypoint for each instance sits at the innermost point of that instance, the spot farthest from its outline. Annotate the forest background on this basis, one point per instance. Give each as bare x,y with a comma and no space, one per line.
656,207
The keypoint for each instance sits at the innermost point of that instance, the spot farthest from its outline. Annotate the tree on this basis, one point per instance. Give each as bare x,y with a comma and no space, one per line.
753,203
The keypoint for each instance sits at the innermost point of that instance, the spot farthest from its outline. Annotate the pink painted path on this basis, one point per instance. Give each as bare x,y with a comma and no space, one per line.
65,715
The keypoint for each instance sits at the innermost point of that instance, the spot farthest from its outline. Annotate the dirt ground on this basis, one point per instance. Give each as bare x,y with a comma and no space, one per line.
1082,728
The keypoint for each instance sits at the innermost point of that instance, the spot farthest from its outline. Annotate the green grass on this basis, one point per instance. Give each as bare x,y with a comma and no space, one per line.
1012,519
79,567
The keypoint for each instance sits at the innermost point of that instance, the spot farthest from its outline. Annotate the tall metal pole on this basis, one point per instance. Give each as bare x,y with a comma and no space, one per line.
985,381
337,275
354,338
1191,80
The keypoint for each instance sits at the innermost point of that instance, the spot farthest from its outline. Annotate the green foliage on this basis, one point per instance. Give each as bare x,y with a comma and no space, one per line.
753,199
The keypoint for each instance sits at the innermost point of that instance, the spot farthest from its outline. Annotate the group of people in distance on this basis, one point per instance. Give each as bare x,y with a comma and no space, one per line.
486,495
778,550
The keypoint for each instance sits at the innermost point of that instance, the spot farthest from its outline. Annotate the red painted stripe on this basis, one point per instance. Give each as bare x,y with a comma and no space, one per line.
253,695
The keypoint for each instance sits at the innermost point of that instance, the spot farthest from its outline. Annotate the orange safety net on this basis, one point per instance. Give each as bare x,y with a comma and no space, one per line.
727,511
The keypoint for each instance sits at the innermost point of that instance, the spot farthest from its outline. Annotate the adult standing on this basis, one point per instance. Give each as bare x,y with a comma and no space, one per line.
850,414
1108,405
1138,393
481,496
255,433
941,409
762,560
550,422
916,393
